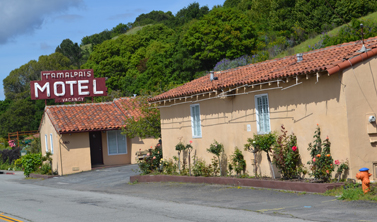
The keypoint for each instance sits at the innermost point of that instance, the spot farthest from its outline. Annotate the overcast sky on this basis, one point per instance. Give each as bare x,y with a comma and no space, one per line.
31,28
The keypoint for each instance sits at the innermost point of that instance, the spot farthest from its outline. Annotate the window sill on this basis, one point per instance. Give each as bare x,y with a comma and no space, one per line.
116,154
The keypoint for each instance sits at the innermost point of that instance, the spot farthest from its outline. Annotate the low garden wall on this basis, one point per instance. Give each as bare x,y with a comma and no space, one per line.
41,176
271,184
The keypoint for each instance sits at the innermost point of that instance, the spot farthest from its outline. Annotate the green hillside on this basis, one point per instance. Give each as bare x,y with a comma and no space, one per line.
304,46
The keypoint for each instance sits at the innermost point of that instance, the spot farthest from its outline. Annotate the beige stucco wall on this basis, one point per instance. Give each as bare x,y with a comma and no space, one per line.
75,151
46,129
139,144
361,96
133,145
299,108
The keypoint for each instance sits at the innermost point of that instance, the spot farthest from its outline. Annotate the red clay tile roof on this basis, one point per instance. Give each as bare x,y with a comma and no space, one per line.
333,58
91,116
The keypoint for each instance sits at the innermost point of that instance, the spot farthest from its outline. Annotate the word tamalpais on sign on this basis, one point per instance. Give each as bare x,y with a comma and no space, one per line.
67,74
68,85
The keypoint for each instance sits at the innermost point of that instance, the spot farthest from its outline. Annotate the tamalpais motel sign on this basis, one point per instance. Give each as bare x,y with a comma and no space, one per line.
68,85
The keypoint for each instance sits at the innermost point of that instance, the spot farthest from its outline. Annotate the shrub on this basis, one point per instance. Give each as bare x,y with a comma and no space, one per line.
286,155
238,162
200,168
169,167
46,169
321,160
10,155
216,149
31,162
152,161
264,142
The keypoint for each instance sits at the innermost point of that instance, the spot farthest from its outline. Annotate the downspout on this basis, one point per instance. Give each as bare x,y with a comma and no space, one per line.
60,150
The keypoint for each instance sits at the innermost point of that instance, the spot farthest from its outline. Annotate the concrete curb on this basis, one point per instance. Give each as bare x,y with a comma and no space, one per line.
40,176
271,184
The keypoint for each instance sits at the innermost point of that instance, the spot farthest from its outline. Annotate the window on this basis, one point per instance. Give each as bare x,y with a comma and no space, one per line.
195,121
51,144
116,142
46,143
262,113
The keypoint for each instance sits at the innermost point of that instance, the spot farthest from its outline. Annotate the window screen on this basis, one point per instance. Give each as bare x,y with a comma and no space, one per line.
195,121
116,142
263,114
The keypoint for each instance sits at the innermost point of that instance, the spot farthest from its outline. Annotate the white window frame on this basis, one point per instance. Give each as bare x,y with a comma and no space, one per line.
257,113
51,144
46,142
192,122
116,140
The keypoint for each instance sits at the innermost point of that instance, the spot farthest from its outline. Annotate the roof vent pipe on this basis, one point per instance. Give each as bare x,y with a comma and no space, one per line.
212,76
299,57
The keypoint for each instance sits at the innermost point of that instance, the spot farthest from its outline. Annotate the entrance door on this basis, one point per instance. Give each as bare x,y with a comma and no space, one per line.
96,148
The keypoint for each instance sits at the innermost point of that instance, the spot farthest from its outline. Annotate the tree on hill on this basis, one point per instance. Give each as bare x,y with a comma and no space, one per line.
72,51
223,33
17,83
155,17
193,11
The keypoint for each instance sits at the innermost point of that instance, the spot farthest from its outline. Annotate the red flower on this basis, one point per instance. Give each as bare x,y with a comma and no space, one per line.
158,144
190,141
154,157
327,171
313,159
336,162
294,148
318,155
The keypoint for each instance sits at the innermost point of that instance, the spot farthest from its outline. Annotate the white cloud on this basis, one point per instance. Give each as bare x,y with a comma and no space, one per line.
45,46
121,16
24,16
68,18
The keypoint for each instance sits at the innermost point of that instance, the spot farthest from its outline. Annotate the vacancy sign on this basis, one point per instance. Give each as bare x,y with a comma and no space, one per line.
68,85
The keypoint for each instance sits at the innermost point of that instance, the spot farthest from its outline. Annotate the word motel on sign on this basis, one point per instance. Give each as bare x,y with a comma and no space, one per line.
68,85
82,90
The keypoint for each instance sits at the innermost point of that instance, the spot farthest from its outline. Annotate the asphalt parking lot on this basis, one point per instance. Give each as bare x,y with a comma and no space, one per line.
312,207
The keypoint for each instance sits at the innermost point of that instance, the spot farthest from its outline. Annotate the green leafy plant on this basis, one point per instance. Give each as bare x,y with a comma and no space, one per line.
201,169
322,161
152,160
179,147
216,149
342,168
31,162
250,146
46,169
169,167
238,162
264,142
286,155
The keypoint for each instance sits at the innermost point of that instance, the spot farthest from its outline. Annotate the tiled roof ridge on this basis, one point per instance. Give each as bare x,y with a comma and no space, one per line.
294,56
81,104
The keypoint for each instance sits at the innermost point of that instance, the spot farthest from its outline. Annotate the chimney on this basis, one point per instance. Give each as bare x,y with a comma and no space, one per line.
299,57
212,76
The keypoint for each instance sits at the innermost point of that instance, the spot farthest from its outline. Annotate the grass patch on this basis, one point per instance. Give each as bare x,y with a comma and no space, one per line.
304,46
351,192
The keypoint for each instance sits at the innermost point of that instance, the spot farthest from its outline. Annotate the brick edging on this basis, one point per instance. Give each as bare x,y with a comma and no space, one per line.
33,175
271,184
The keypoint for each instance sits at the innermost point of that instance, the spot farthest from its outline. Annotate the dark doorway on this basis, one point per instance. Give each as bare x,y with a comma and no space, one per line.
96,148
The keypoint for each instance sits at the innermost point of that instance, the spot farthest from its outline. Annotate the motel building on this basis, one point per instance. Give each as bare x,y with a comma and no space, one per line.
83,136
